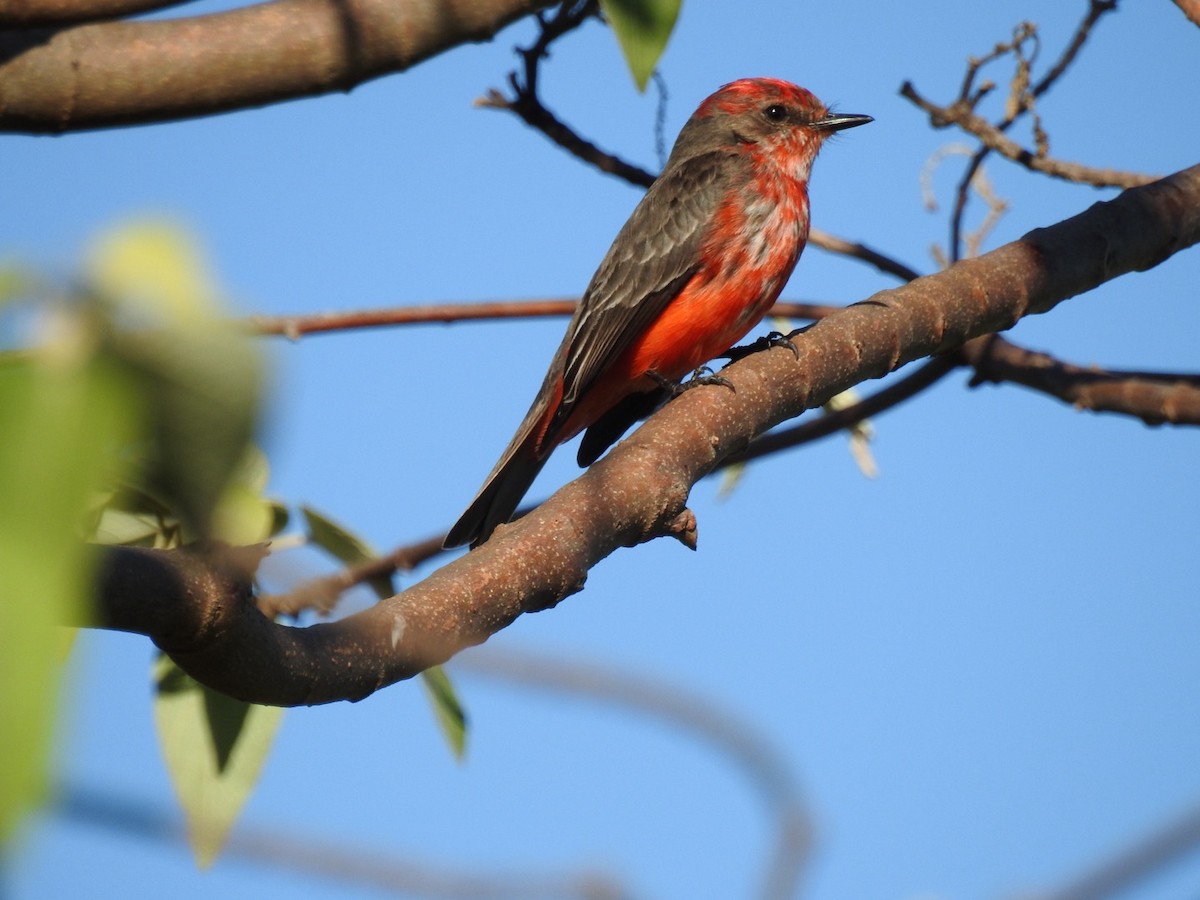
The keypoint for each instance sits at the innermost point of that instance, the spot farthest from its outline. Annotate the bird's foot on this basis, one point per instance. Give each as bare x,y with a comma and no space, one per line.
700,377
774,339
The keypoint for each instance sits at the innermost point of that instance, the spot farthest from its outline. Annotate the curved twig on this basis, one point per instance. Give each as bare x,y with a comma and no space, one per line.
1018,107
994,139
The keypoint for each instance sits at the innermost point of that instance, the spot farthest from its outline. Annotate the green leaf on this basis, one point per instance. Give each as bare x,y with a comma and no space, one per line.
14,281
214,748
200,375
447,709
346,546
642,28
243,515
62,414
731,477
280,516
120,527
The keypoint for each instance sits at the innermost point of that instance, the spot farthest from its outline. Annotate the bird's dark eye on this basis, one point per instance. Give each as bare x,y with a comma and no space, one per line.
776,112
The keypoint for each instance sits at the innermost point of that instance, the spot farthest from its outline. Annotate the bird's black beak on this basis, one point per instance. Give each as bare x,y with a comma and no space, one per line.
841,121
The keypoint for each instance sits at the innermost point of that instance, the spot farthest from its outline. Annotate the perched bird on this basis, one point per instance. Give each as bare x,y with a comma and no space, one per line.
700,261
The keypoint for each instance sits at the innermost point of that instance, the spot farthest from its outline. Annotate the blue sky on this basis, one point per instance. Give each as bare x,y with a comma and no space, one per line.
982,665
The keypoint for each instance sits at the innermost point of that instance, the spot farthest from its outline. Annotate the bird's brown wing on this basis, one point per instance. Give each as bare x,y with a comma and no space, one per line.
650,261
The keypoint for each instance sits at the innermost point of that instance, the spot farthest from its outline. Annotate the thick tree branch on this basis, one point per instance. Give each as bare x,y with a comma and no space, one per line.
135,72
639,491
33,13
1191,9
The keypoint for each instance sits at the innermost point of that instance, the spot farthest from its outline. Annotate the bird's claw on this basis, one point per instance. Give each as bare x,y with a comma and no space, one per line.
774,339
699,378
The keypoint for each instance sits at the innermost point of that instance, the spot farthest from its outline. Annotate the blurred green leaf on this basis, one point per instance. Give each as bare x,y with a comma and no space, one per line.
214,747
14,281
642,28
151,268
447,708
731,477
346,546
200,375
62,415
243,515
280,516
119,527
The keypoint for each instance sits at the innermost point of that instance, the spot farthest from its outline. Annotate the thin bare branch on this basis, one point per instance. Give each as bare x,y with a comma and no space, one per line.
1097,9
211,627
297,326
526,103
994,139
1019,105
927,375
137,72
322,594
862,252
1156,398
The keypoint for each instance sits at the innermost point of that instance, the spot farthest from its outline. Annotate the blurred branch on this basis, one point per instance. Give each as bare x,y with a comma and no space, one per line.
767,770
35,13
341,863
138,72
1144,858
211,627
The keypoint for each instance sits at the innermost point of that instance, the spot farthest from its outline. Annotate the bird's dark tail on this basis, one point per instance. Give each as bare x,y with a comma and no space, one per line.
497,500
519,464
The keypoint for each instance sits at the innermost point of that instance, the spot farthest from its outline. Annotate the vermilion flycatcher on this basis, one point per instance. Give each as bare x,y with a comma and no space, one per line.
701,260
